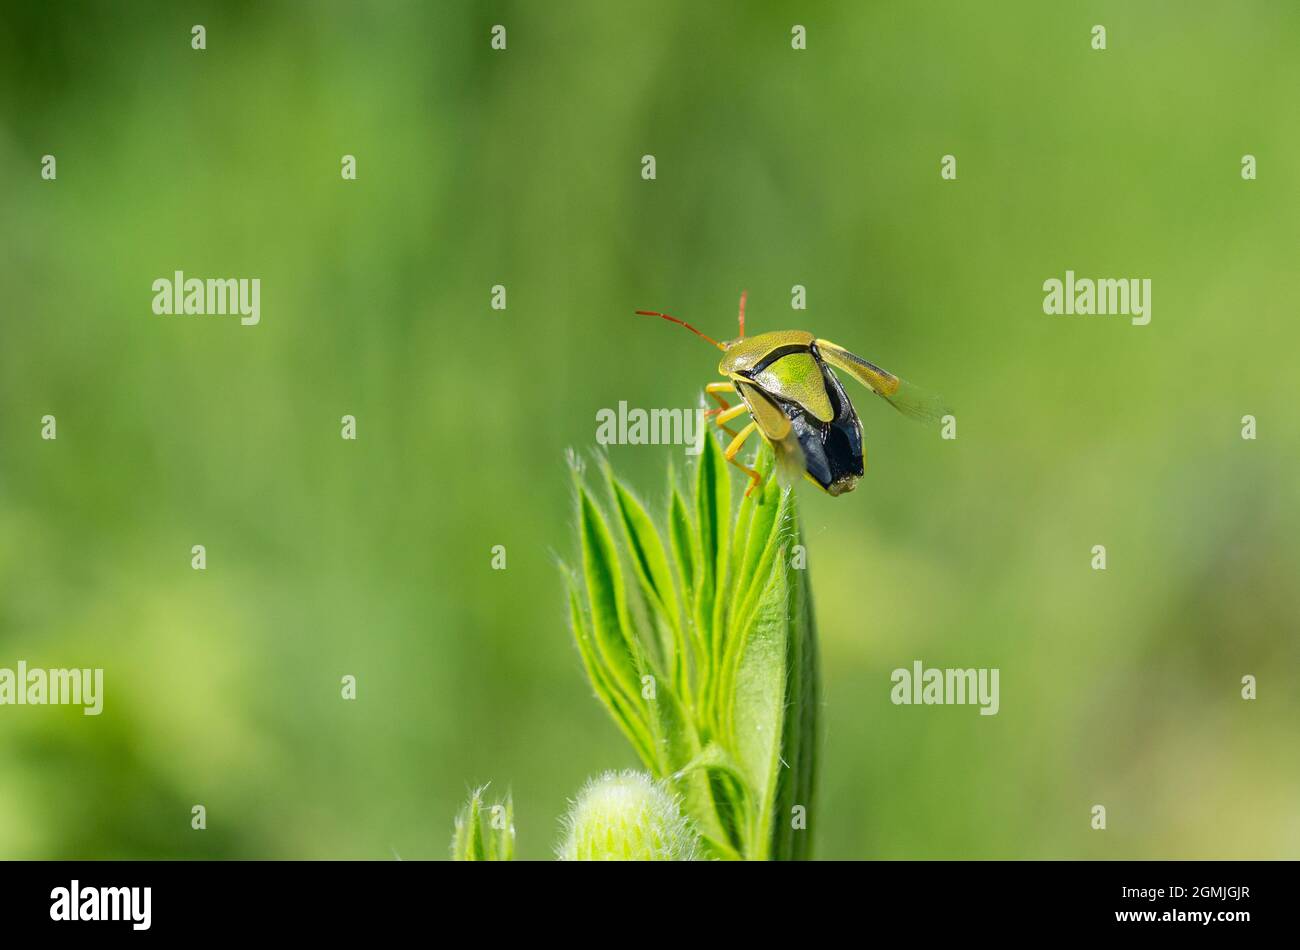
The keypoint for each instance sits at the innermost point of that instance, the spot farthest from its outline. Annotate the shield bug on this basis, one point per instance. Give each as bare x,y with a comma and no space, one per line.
786,384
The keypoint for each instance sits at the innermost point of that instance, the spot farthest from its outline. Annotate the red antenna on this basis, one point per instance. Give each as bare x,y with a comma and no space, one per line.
656,313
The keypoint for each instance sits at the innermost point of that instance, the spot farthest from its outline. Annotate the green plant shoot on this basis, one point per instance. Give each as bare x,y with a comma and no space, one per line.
699,641
484,832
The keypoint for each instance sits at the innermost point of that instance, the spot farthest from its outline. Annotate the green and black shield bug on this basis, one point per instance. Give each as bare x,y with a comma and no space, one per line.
786,384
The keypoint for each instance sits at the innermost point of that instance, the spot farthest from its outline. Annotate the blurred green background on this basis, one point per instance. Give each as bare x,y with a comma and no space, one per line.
522,168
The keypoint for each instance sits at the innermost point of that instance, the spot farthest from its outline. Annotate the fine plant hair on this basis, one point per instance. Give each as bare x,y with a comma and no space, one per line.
698,639
627,816
484,832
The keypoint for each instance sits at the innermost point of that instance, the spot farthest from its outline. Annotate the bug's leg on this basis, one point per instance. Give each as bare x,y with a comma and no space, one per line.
730,455
716,390
728,414
743,295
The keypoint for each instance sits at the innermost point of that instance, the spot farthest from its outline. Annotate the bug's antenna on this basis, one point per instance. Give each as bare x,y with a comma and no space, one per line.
656,313
743,295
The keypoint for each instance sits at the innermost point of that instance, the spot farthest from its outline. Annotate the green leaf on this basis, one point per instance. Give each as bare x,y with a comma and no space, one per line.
484,833
713,523
604,581
680,745
650,565
733,726
740,538
624,715
760,706
714,757
725,826
797,784
760,545
467,834
681,535
504,847
763,546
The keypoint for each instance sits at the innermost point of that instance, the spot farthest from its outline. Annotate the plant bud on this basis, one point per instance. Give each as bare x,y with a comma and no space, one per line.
627,816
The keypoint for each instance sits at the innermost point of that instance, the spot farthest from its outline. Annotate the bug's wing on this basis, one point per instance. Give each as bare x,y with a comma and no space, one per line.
776,428
912,401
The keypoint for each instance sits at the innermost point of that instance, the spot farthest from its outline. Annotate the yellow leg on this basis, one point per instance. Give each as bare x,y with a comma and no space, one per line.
734,447
716,390
728,414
